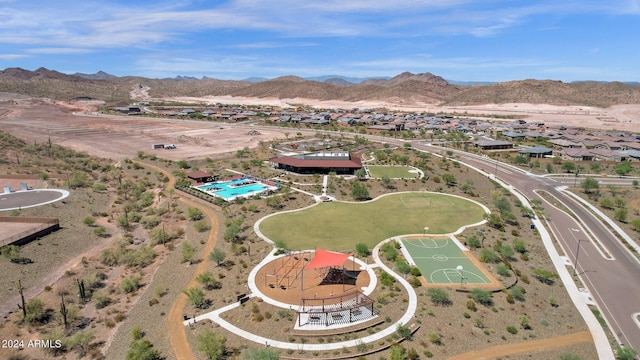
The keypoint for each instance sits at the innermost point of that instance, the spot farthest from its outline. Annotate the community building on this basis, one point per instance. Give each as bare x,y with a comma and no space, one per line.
319,163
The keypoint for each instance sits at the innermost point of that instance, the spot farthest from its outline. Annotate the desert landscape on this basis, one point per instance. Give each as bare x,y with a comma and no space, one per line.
121,152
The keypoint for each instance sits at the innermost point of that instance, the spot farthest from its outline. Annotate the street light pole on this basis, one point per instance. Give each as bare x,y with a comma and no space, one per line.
575,266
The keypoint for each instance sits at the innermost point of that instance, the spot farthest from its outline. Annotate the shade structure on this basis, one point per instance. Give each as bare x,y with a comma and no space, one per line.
326,258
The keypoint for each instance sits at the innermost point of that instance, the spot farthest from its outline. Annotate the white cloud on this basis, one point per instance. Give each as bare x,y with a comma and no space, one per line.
54,51
12,56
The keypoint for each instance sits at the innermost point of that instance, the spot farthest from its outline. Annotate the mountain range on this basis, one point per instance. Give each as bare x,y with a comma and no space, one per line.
405,88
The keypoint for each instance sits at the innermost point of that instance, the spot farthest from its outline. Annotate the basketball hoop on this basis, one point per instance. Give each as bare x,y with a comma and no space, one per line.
426,229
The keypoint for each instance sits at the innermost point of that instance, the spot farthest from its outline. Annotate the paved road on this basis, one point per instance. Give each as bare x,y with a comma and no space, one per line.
611,274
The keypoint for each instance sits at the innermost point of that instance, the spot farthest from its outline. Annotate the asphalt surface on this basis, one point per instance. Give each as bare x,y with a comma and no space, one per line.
612,275
30,198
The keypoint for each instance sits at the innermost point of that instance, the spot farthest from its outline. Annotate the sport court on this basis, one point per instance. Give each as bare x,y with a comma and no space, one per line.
441,261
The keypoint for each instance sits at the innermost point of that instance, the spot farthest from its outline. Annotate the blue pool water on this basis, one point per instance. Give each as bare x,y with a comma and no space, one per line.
234,188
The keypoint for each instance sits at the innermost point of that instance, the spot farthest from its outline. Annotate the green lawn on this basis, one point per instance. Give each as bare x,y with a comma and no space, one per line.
391,172
339,226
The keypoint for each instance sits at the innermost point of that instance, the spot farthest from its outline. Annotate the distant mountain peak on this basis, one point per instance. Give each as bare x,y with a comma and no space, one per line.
100,75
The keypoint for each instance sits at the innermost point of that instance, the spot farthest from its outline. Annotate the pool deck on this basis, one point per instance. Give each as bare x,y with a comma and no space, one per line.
221,188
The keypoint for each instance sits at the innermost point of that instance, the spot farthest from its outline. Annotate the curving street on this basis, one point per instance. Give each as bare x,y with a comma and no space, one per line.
605,267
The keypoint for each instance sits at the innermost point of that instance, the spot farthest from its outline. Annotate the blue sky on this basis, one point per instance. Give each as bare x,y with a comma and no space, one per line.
465,40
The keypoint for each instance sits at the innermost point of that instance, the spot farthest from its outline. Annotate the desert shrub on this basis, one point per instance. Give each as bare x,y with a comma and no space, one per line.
194,214
503,270
471,305
100,231
544,276
101,299
512,329
131,284
415,271
201,226
438,296
481,296
149,222
517,292
520,246
473,242
386,279
35,311
489,256
435,338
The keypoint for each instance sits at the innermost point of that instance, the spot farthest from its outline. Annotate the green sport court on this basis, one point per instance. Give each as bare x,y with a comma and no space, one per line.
439,259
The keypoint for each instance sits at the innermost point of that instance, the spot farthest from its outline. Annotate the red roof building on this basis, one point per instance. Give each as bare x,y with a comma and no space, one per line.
200,177
319,163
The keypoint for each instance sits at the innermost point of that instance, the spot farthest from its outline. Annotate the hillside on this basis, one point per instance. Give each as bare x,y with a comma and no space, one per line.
405,88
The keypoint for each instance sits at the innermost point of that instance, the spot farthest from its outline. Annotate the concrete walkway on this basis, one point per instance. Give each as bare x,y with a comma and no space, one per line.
215,315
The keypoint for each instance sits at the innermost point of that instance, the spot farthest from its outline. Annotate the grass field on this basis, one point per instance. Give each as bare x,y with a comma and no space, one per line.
393,172
339,226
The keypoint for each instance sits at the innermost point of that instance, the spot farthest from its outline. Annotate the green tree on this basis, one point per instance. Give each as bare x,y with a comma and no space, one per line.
196,297
218,256
361,174
232,231
589,184
520,160
549,168
211,344
359,191
449,179
208,281
568,166
623,168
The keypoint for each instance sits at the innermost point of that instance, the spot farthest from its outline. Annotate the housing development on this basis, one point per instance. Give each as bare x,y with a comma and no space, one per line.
197,229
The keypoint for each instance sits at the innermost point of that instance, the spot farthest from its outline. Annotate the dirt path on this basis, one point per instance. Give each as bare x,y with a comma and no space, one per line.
526,347
177,334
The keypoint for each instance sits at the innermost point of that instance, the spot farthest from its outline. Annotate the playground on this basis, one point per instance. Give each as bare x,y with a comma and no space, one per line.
289,279
442,261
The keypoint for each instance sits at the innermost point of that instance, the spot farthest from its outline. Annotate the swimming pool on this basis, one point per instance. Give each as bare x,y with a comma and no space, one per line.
230,189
